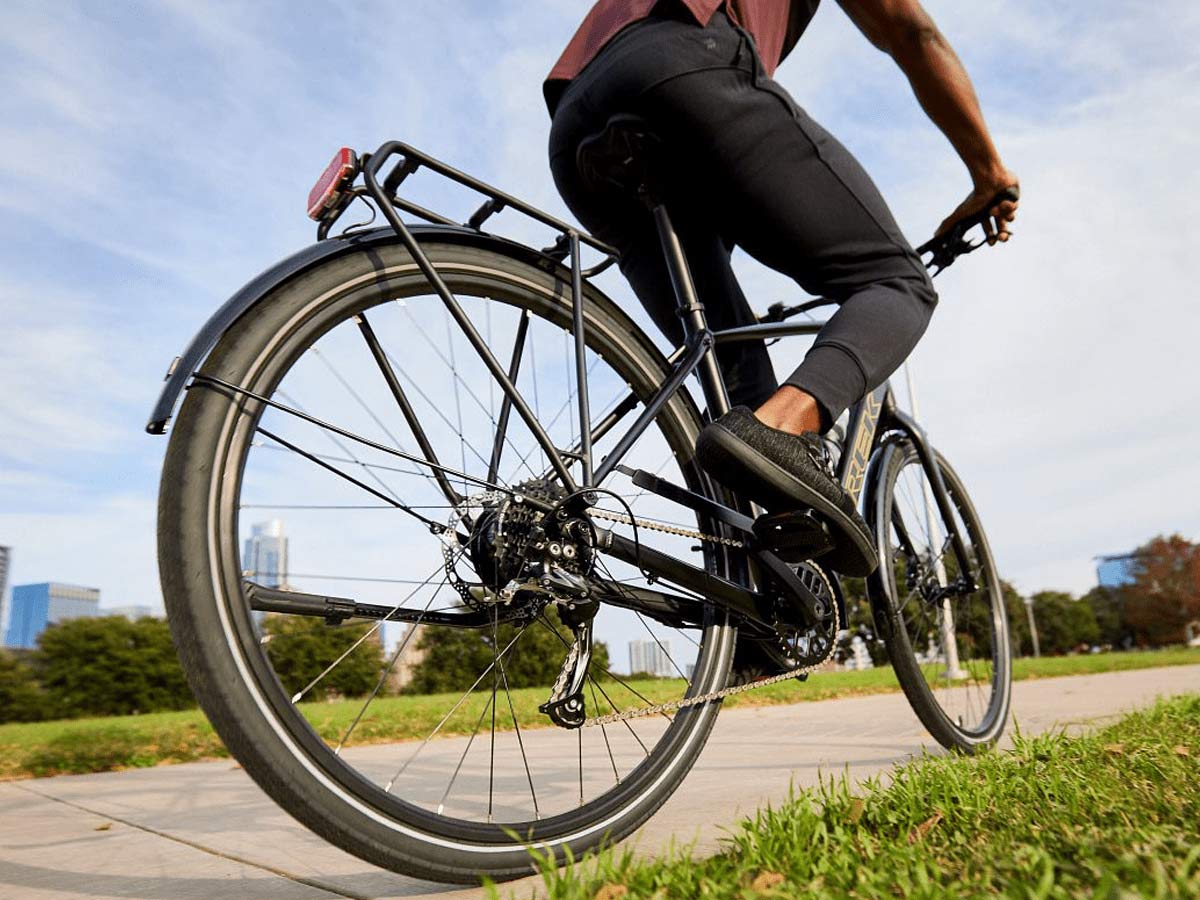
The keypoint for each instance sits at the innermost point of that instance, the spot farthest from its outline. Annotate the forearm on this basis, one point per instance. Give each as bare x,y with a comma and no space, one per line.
944,91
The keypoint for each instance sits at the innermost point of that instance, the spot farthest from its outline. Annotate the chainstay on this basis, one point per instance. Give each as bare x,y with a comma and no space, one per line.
674,705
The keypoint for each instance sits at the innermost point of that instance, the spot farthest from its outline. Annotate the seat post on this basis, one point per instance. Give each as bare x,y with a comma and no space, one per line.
690,309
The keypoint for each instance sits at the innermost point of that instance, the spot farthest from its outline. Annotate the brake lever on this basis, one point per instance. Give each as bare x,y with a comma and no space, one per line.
948,247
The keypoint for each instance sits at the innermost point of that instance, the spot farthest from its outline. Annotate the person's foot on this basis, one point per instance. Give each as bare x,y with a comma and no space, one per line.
782,472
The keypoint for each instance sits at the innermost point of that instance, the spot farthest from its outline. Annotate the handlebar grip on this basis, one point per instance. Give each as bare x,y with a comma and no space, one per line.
952,243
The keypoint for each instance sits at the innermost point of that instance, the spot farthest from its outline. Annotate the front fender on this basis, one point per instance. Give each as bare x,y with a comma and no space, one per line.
873,501
185,365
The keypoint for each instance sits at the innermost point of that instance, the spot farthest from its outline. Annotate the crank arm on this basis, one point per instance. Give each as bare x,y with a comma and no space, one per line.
676,494
812,608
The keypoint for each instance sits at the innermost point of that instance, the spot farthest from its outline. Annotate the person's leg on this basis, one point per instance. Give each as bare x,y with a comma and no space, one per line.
624,222
798,201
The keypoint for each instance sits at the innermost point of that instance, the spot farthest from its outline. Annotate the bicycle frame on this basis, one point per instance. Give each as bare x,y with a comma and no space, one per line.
870,419
696,356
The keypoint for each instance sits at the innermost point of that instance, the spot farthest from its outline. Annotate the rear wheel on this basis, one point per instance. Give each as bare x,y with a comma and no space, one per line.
949,647
455,784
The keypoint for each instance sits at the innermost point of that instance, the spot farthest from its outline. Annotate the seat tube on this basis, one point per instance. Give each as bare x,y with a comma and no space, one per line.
691,310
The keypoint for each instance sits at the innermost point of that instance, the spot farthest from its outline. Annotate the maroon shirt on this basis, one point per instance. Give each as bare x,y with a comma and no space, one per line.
775,25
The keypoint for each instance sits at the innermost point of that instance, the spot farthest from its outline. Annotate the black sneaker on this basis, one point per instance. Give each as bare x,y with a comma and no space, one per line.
783,471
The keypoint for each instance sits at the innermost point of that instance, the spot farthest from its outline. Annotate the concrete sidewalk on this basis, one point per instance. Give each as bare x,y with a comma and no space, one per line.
204,830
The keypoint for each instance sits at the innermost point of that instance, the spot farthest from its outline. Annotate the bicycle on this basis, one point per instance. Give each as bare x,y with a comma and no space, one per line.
527,507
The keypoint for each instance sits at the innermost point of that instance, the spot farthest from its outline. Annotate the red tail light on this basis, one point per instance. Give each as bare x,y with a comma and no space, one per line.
336,177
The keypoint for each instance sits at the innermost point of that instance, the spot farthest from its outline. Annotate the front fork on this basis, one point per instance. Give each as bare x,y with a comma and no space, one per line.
881,603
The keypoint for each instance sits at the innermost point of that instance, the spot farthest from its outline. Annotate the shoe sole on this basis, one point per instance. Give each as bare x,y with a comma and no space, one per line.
753,475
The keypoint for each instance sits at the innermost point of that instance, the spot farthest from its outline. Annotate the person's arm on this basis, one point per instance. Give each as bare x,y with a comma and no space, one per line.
903,30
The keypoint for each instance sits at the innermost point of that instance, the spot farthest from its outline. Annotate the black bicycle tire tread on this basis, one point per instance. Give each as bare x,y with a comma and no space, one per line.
900,652
216,678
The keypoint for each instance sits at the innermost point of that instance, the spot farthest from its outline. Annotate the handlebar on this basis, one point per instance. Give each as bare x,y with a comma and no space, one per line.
946,248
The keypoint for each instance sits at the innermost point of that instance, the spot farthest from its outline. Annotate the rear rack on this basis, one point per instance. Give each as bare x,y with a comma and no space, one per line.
410,160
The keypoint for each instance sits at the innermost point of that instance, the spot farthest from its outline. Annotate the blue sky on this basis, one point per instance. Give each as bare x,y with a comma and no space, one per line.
155,156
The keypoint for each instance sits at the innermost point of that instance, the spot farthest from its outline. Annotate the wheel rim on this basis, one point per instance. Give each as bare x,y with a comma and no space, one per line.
356,770
958,642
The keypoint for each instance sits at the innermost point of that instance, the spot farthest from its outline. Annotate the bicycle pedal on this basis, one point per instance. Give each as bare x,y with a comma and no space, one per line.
794,536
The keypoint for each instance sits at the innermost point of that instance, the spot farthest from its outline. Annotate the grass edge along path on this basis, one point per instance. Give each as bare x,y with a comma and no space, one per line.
1112,815
78,746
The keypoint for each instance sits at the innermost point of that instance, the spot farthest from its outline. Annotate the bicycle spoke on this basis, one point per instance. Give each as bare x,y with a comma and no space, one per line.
408,636
514,370
617,709
520,742
344,459
446,718
604,732
460,382
374,628
495,686
462,759
355,394
350,478
339,506
358,462
375,445
406,410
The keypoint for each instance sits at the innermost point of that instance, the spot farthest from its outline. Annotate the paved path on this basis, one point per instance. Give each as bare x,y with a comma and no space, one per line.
204,830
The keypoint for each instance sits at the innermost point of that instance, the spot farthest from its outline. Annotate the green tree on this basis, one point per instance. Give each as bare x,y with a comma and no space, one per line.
301,647
452,658
1063,623
1164,595
1018,620
110,666
21,697
1108,605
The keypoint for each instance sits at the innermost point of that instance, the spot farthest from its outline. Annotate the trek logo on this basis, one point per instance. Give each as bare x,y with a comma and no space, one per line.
864,435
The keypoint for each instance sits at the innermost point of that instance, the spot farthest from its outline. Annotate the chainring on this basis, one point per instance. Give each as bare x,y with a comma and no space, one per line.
796,646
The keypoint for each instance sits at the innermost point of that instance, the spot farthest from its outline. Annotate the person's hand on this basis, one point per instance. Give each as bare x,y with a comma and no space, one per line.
997,226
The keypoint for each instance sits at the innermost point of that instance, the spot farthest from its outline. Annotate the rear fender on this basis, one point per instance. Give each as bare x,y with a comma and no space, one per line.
186,364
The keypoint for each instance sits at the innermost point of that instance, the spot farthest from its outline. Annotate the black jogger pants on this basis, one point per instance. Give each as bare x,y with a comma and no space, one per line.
747,168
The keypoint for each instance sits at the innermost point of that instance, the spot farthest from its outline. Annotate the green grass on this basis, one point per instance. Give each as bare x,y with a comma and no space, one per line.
1113,816
99,745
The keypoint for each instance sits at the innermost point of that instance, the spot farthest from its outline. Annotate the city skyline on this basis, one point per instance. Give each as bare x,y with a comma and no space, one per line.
265,554
652,657
35,606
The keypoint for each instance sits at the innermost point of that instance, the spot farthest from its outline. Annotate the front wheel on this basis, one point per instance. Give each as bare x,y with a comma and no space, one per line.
949,648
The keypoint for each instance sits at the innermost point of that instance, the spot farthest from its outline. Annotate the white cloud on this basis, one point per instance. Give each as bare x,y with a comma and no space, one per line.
174,148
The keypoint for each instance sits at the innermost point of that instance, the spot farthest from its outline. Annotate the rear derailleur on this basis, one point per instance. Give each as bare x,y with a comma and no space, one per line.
566,707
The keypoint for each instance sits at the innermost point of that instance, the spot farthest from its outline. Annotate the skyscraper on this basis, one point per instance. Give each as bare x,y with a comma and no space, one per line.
651,657
265,554
5,556
34,606
1116,570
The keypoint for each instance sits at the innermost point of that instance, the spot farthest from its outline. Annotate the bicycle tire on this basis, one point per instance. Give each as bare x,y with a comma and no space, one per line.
211,623
930,686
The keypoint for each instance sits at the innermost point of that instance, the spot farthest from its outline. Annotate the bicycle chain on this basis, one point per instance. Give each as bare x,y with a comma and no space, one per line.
655,709
667,529
675,705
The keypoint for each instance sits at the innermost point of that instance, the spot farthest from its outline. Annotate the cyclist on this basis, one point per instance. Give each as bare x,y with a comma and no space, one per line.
747,167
